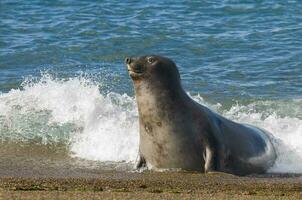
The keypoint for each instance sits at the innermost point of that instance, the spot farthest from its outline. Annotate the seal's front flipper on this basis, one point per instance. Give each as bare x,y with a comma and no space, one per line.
211,161
140,162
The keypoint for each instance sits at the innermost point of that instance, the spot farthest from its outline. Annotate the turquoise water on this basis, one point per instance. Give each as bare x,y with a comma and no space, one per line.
63,81
223,48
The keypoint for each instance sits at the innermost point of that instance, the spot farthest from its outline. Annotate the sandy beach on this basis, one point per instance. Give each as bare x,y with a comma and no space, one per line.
34,172
56,177
151,185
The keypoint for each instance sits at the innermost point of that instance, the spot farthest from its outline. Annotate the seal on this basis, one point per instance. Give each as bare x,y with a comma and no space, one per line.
178,133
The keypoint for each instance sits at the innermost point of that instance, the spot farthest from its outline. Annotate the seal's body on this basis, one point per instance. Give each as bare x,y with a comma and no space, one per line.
178,133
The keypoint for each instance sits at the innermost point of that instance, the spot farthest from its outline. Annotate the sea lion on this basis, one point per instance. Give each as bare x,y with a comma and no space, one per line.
178,133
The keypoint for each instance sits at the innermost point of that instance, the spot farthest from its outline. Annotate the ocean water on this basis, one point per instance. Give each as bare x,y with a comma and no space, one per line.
66,97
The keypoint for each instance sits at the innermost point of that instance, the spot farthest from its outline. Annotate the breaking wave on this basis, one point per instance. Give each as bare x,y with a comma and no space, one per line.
100,126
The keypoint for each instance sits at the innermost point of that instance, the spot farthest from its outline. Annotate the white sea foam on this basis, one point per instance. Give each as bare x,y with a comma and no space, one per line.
287,133
104,127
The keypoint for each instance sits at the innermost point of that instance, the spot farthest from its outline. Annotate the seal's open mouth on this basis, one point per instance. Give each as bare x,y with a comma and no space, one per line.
134,72
135,69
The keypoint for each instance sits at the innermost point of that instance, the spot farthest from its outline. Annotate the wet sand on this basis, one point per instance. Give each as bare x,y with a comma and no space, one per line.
35,173
150,185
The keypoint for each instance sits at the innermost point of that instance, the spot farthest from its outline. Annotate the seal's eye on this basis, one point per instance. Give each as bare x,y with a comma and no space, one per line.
151,60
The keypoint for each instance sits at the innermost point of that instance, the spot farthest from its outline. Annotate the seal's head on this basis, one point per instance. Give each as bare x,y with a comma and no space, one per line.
152,69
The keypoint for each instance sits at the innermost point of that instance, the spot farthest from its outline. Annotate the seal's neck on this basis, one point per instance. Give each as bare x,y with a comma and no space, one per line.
160,101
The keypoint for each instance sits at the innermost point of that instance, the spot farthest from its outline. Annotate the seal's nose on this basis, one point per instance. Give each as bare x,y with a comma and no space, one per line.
127,60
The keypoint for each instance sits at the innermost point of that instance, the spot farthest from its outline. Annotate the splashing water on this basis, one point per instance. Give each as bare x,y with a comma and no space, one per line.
95,126
104,127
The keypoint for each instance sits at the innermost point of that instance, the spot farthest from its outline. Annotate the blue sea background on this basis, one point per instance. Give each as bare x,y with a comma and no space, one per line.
61,65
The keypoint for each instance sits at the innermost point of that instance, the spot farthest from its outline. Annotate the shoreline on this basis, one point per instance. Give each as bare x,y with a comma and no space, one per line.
167,185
